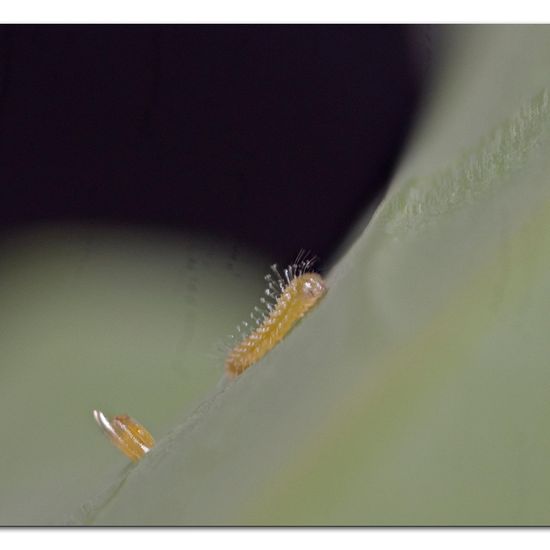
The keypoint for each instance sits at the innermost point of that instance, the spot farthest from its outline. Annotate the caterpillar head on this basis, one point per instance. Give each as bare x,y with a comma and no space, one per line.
311,287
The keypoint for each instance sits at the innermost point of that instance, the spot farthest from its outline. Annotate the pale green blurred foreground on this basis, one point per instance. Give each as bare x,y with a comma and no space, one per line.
418,392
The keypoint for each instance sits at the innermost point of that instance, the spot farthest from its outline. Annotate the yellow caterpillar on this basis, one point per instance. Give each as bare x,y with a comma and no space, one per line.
294,295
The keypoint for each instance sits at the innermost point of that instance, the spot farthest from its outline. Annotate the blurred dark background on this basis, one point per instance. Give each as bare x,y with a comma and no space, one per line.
276,137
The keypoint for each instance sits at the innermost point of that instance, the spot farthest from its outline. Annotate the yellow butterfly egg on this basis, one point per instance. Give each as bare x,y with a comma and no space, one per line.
126,434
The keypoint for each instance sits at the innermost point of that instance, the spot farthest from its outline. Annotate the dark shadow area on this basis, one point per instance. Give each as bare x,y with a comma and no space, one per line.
277,137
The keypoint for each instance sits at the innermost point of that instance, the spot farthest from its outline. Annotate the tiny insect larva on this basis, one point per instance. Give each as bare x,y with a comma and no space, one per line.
126,434
289,298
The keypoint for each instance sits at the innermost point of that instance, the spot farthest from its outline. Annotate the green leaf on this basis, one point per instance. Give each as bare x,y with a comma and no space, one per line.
415,393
